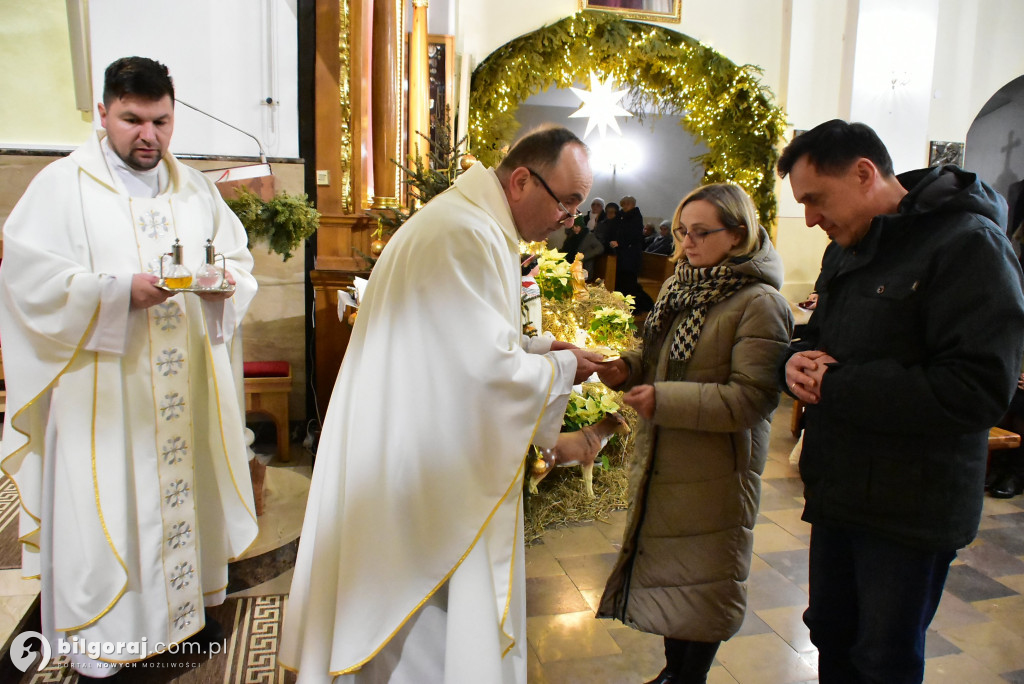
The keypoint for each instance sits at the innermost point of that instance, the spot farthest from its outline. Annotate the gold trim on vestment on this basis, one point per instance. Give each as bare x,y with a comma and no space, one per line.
99,506
511,577
28,437
220,423
517,479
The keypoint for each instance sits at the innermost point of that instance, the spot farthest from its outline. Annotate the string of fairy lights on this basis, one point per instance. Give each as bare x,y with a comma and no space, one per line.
723,104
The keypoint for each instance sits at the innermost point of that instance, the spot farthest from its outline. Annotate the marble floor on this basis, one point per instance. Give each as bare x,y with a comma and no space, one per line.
977,636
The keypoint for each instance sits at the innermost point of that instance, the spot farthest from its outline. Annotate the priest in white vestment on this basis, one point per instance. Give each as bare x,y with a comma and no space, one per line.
124,427
410,566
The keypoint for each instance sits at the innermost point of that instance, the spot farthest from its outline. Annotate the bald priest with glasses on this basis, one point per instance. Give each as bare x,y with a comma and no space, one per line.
410,567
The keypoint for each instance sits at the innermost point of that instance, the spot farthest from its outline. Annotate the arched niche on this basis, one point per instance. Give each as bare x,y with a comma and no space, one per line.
720,103
995,141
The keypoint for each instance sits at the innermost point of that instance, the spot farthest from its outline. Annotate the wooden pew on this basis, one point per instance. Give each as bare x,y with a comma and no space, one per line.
655,269
604,267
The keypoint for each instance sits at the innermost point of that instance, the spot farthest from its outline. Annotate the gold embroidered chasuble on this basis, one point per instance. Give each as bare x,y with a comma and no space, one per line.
131,466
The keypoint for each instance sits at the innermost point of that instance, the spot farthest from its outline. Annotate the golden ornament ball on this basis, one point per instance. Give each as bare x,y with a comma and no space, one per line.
467,161
376,247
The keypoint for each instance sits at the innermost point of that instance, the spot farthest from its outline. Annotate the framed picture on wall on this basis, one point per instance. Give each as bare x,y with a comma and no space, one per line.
648,10
944,152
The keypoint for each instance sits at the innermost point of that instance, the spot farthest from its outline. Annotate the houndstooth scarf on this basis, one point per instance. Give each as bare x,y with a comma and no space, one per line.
694,289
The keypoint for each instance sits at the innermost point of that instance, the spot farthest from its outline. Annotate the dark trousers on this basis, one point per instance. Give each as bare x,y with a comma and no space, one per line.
689,661
870,603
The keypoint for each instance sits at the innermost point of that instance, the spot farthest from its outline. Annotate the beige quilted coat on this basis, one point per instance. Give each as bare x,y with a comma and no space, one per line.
696,476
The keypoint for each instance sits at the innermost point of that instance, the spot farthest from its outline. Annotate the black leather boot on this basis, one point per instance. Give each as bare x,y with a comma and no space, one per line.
664,677
1006,487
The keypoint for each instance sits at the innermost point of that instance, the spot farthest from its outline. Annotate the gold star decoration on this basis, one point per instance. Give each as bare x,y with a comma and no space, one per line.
600,104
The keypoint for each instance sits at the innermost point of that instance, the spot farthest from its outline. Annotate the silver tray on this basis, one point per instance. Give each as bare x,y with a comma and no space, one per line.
198,290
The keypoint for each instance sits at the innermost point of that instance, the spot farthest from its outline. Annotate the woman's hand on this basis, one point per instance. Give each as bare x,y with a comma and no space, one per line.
613,373
641,398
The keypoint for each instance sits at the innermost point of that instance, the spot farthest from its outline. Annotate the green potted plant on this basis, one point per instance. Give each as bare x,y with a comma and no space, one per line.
282,222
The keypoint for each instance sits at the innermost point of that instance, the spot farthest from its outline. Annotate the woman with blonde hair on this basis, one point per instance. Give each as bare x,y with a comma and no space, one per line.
704,387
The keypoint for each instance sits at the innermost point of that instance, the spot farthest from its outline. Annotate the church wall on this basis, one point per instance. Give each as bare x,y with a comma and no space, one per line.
746,31
815,81
892,78
956,89
979,50
818,87
225,57
38,102
657,171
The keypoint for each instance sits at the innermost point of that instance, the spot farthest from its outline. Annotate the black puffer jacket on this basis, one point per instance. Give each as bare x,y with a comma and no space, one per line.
925,317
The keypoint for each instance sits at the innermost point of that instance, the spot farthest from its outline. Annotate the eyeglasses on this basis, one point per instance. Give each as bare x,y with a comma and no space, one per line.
568,214
697,235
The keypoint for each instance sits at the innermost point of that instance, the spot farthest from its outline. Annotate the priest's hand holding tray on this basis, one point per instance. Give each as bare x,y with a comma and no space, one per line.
226,289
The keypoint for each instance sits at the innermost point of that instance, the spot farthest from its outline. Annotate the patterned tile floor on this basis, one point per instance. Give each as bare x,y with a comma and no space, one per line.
977,636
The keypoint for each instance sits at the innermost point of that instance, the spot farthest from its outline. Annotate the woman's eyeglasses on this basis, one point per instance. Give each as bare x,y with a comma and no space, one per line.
697,235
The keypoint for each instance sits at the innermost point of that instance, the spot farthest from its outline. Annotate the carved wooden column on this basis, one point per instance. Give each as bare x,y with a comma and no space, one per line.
357,43
386,103
419,85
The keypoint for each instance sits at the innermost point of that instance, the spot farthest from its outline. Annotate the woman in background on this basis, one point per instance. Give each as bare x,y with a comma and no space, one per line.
704,386
582,241
594,216
605,227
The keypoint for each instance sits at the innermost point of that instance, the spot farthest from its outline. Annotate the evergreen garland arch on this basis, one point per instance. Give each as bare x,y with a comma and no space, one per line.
723,104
